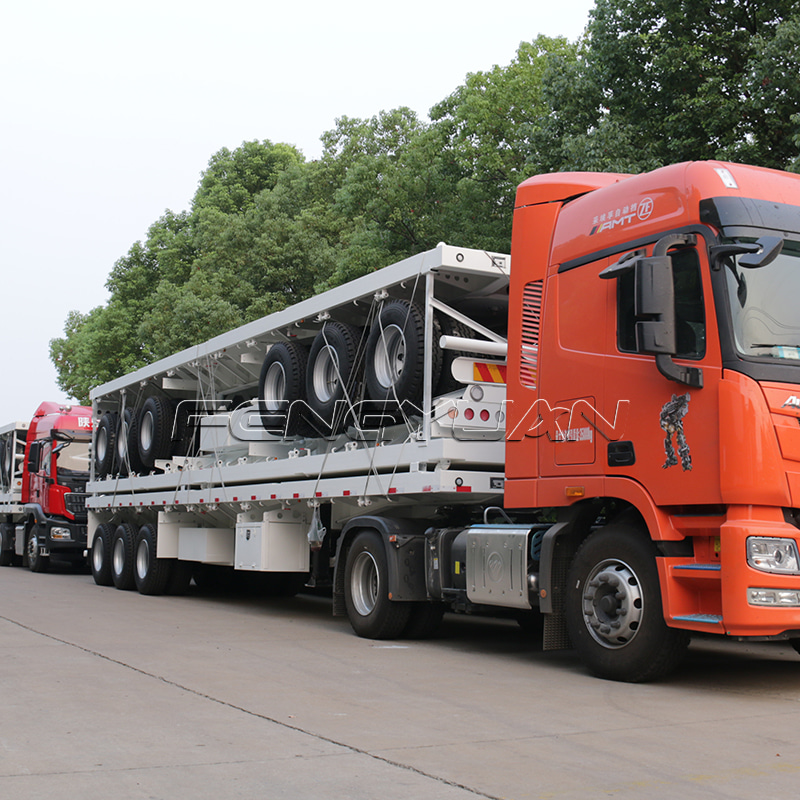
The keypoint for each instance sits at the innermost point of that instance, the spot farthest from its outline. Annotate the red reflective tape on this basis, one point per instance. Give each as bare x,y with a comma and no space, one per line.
393,490
463,488
489,373
346,493
481,372
296,495
318,494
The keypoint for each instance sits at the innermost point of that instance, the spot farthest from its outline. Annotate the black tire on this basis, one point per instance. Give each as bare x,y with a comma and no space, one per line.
36,561
7,461
366,590
154,438
395,354
5,471
122,562
105,444
131,462
424,620
332,374
613,608
449,327
281,384
151,574
100,557
187,430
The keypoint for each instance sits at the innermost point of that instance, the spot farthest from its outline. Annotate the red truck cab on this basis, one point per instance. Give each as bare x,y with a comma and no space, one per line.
55,472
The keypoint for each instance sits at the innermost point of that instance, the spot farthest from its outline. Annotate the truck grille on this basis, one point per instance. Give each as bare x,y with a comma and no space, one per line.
75,502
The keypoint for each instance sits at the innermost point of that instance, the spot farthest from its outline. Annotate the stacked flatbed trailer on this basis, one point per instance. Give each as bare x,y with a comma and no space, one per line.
272,447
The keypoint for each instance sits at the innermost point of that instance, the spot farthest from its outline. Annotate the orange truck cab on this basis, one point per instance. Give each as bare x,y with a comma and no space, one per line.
653,402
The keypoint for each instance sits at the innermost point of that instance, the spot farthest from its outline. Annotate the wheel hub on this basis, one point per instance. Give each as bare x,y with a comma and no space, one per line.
612,604
364,583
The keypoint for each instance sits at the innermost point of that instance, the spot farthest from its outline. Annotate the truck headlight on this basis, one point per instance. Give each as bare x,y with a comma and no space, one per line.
773,555
61,534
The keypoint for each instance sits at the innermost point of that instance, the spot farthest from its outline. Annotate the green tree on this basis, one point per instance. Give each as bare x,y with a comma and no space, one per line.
660,81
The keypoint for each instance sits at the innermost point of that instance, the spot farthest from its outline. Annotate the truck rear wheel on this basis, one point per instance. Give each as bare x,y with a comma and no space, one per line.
613,608
151,574
366,590
122,556
101,554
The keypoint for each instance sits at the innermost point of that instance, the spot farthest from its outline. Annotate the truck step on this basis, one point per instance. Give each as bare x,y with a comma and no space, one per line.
705,619
701,571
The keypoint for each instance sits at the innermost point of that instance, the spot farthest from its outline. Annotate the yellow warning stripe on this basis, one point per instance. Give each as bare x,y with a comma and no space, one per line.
488,372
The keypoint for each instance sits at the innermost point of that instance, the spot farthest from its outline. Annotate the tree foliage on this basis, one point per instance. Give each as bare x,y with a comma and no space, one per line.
651,82
662,81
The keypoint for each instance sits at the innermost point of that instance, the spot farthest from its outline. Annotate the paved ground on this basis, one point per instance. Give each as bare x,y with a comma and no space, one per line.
112,694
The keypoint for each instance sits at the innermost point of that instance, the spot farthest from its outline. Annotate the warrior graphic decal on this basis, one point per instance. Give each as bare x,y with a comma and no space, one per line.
672,415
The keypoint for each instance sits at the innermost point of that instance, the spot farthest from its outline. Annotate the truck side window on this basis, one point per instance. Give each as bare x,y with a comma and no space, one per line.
689,308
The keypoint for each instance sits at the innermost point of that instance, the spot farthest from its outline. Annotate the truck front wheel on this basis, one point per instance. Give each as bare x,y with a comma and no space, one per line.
36,561
366,590
613,608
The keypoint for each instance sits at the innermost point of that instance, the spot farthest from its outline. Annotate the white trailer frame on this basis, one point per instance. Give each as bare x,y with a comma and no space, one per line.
203,504
12,435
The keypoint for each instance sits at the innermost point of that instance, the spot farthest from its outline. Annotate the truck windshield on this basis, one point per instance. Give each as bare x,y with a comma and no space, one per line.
763,304
72,458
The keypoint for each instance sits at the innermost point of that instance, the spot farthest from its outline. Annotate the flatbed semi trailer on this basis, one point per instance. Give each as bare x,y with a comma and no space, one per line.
599,430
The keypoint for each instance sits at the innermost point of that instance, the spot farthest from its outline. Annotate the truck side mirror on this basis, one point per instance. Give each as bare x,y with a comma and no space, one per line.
34,455
654,306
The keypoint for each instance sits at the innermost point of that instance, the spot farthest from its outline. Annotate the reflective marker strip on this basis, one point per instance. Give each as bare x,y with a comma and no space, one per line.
488,373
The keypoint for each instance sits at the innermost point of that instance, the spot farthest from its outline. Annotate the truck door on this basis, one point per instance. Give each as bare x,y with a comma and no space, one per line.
39,458
670,441
574,347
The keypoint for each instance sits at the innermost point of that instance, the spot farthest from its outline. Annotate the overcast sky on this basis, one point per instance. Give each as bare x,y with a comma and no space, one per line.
111,110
